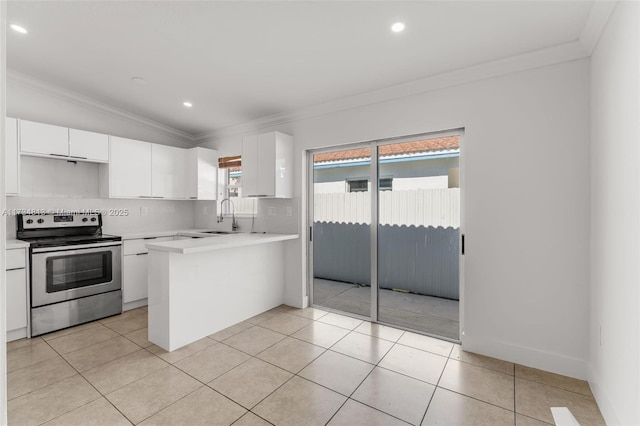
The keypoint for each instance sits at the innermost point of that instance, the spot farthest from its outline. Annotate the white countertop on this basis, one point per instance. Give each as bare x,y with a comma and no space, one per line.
155,234
197,245
16,244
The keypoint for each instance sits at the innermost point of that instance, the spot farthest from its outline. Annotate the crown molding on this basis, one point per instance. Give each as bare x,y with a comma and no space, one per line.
93,104
596,22
535,59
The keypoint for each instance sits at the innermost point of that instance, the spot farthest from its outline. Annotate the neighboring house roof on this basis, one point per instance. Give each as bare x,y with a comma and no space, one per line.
421,146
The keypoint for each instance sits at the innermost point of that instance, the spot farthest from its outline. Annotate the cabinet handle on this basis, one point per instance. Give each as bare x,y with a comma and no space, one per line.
149,196
258,195
74,156
149,238
193,198
59,155
141,254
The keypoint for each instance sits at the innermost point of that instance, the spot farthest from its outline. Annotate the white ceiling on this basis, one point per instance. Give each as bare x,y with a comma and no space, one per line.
241,61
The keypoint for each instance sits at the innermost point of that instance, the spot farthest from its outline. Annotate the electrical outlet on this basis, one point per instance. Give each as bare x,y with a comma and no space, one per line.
289,211
271,211
144,210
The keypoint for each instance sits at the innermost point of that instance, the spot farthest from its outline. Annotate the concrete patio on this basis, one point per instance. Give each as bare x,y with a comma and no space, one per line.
427,314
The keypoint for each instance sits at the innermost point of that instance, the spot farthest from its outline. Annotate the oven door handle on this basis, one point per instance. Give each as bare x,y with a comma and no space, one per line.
75,247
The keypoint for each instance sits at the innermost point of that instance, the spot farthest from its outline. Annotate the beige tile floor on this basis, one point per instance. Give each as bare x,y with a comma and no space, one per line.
284,367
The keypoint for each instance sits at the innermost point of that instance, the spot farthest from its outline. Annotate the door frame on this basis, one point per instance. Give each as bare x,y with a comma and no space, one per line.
374,145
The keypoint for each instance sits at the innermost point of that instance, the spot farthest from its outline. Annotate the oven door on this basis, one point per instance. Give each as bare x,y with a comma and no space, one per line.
71,272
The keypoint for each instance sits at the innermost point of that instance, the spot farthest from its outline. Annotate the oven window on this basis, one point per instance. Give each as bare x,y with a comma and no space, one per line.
78,270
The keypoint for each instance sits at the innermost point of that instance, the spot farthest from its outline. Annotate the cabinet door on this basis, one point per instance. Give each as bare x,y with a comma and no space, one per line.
16,299
201,173
266,165
39,138
89,145
250,161
207,174
12,176
134,278
167,171
129,168
191,173
283,158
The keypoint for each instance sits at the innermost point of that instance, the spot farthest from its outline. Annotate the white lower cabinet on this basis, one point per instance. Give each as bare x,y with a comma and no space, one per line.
134,271
135,278
17,309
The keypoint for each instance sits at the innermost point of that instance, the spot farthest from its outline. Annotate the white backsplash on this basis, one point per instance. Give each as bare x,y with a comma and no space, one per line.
46,177
159,215
273,217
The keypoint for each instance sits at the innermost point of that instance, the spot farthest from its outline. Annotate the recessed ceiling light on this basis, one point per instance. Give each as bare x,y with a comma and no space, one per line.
139,81
19,29
187,104
397,27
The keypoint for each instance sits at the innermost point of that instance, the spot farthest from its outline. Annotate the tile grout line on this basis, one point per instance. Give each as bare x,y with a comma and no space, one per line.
86,380
437,386
90,384
377,365
97,390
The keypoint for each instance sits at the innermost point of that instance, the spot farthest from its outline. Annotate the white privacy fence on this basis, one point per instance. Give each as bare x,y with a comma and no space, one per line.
418,259
418,207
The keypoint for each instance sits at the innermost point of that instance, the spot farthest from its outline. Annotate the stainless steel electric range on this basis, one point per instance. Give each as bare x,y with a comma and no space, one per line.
75,270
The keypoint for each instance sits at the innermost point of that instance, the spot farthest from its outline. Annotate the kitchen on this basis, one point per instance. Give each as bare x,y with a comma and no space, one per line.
97,129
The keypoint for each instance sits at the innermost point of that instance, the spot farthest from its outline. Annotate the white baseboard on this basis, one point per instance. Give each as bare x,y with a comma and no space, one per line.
20,333
606,408
134,304
530,357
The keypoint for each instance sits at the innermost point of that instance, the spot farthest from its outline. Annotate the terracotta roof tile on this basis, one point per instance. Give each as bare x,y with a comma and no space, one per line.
425,145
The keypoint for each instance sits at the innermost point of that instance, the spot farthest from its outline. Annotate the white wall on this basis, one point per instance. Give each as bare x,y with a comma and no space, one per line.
28,103
525,161
615,216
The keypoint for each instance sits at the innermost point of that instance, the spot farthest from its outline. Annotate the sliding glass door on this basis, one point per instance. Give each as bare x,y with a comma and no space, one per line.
417,235
342,230
386,232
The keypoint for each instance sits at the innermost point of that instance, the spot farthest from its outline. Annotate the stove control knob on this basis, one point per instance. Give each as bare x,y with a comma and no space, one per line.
40,220
29,221
93,219
84,219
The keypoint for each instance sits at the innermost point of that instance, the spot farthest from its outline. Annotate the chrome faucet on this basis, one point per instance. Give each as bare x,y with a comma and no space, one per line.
234,224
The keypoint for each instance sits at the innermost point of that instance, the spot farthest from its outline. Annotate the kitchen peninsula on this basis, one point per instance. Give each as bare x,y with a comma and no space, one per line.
200,286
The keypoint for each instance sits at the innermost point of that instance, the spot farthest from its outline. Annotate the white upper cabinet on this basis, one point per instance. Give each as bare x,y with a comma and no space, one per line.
11,159
43,139
201,173
88,146
54,141
167,171
129,171
266,165
249,181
